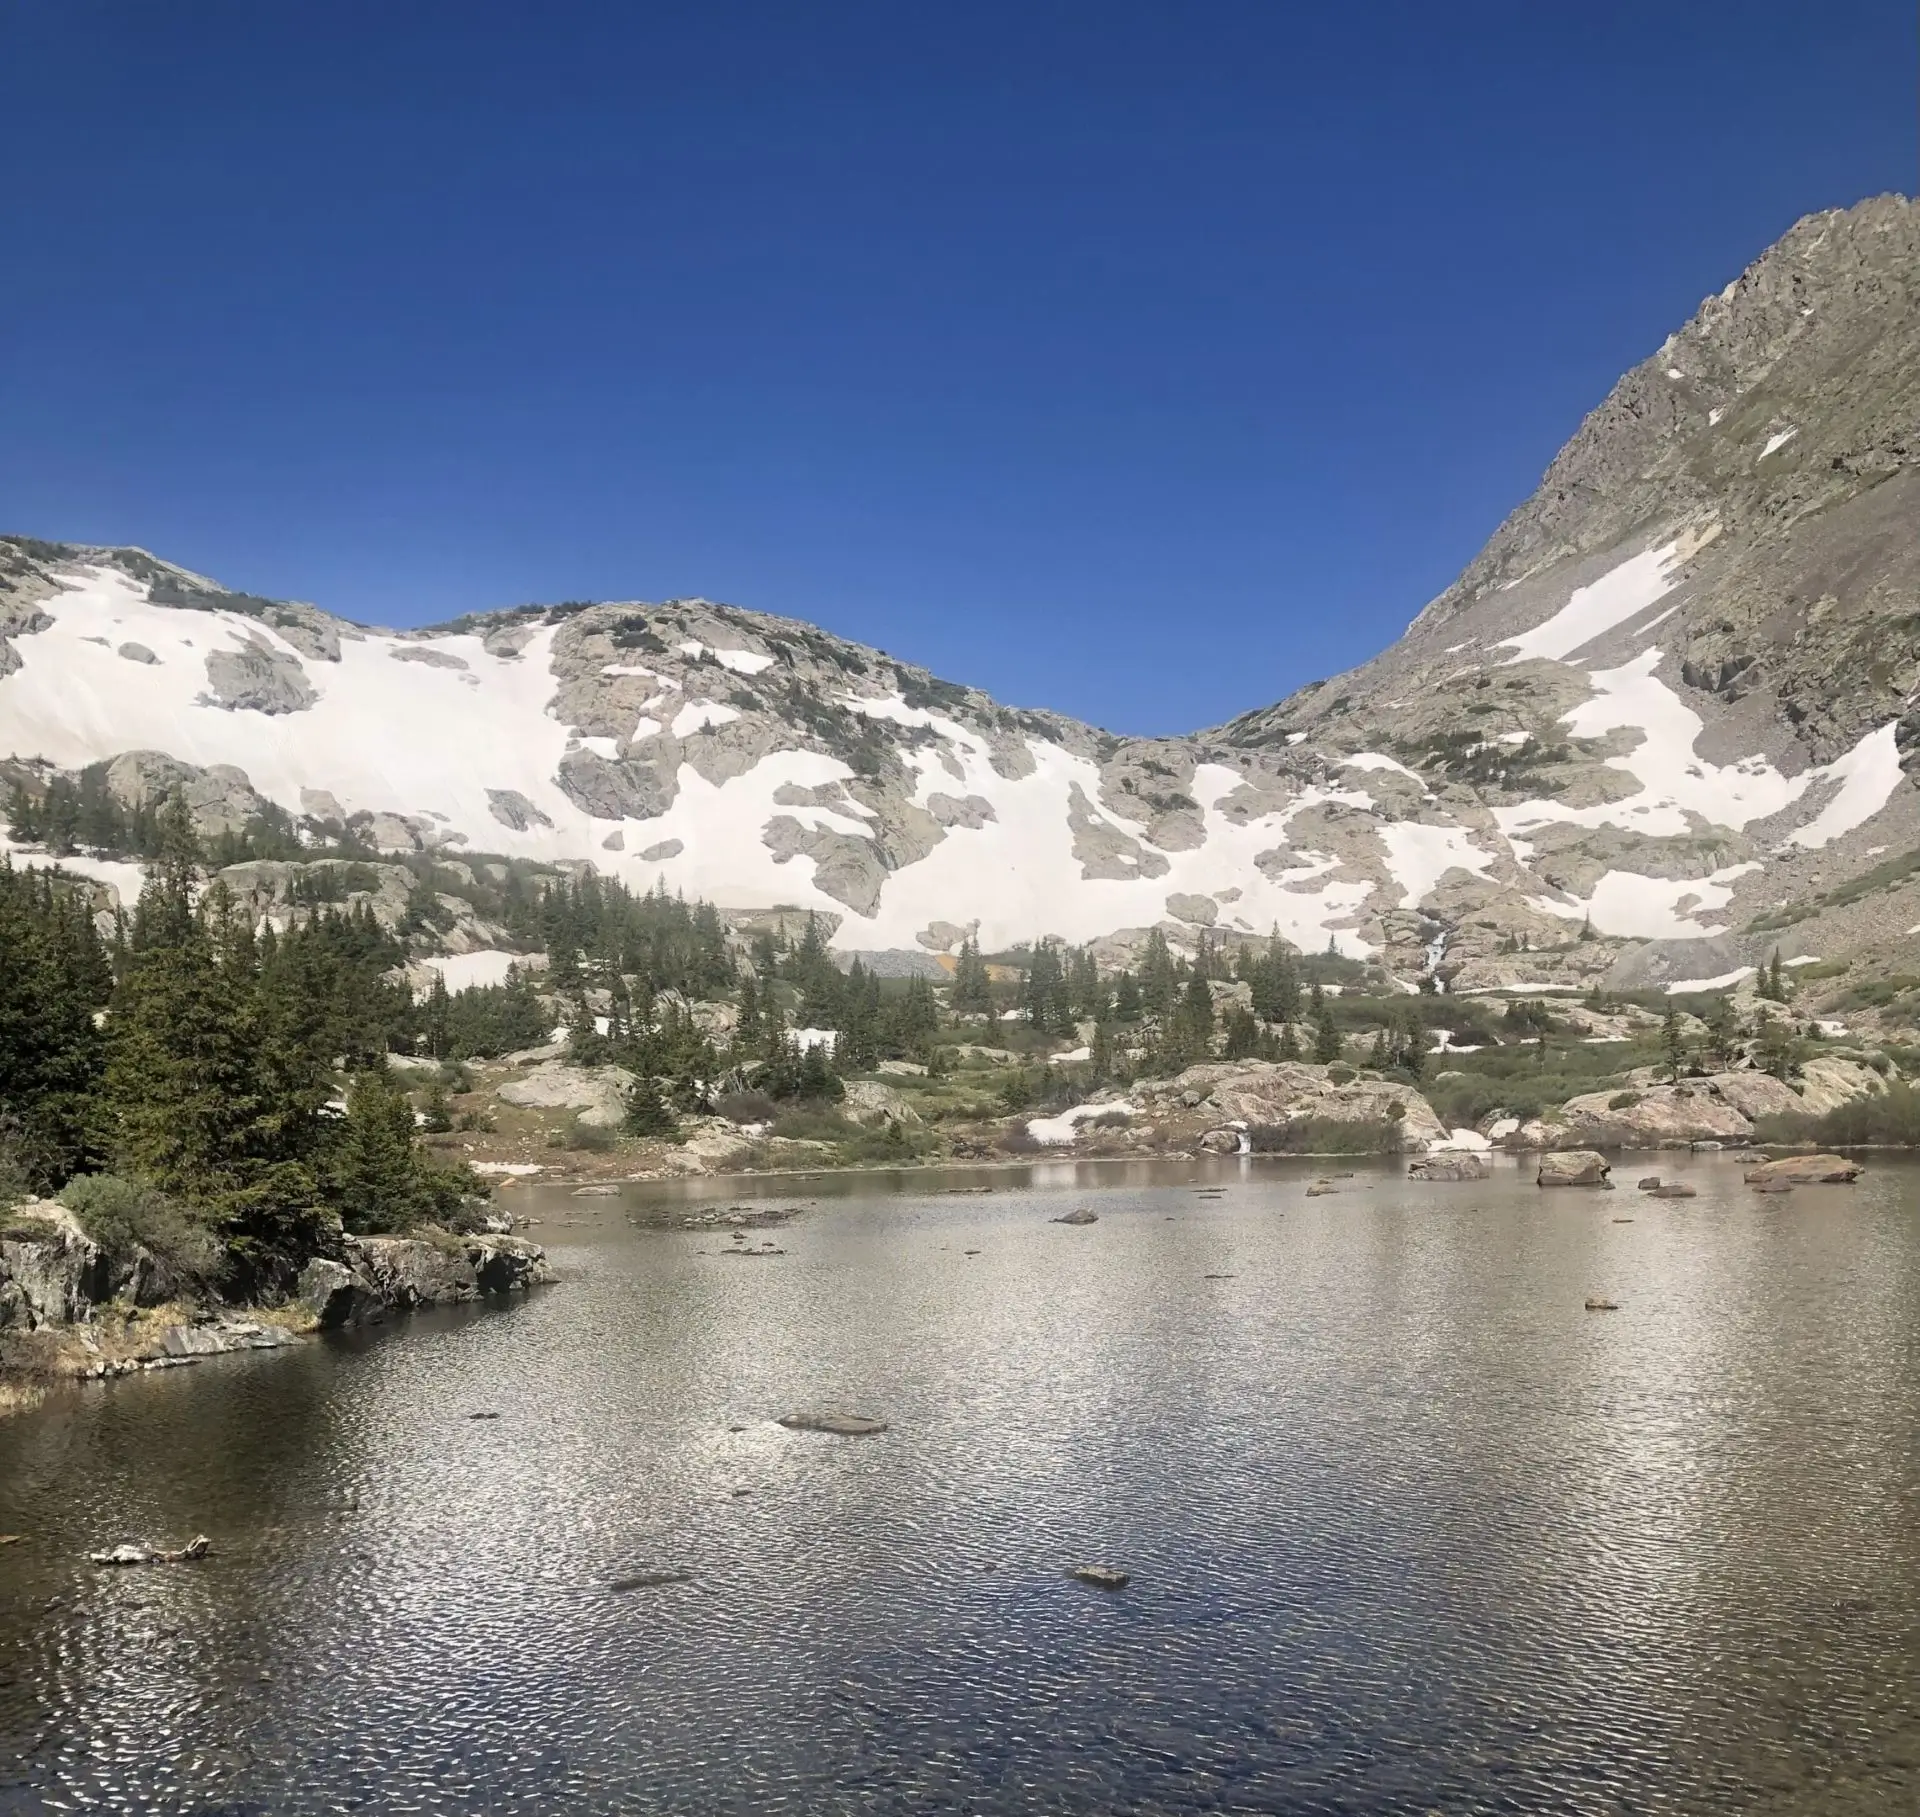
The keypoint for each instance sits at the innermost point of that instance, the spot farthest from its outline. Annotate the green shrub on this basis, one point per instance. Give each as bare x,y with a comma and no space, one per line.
124,1217
1326,1136
1341,1074
811,1124
1623,1100
1888,1119
581,1138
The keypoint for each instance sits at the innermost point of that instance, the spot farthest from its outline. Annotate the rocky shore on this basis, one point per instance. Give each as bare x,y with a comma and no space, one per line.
69,1310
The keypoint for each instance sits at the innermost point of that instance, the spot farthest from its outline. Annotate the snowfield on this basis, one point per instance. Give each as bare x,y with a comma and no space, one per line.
441,731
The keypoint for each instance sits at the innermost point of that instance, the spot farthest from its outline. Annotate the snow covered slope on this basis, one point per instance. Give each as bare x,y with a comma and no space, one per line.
1673,696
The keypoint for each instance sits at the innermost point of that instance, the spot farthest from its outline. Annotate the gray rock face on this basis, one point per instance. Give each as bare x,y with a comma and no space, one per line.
513,809
220,799
51,1271
634,788
847,868
434,1268
598,1093
258,679
336,1295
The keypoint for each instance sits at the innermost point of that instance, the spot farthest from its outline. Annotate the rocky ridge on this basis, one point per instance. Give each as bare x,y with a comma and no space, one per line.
1661,726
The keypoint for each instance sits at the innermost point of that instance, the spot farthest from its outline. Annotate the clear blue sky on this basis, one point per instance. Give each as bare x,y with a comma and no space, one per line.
1140,361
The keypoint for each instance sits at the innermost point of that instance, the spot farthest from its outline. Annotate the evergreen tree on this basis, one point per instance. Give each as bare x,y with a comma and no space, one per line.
647,1115
1326,1035
1127,1005
972,987
374,1176
1159,982
1671,1042
1289,1043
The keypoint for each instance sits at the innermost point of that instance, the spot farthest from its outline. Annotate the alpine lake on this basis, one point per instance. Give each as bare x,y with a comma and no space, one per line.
1406,1527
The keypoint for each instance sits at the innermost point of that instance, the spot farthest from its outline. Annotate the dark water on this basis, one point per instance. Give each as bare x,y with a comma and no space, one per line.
1409,1530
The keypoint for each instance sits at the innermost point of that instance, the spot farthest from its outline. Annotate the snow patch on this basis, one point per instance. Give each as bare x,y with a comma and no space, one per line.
1593,610
1777,442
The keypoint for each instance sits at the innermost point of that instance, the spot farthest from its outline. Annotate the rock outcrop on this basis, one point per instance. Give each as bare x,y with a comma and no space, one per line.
1270,1096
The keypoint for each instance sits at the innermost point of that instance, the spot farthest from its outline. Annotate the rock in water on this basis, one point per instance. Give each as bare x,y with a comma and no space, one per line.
1082,1216
191,1553
846,1425
1597,1305
1806,1170
1674,1190
1573,1167
1651,1183
1102,1577
1449,1166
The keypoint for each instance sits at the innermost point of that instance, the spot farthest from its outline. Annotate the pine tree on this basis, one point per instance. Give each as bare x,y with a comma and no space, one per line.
1326,1035
972,986
1289,1042
1671,1041
373,1172
647,1115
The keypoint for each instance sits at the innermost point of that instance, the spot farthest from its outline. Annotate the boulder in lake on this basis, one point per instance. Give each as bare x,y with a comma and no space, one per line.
1674,1189
1101,1577
1599,1305
1806,1170
1082,1216
1451,1164
1573,1167
1651,1183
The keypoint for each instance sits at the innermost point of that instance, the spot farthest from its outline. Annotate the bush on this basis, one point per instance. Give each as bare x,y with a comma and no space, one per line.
474,1122
581,1138
746,1107
1889,1119
1341,1074
1326,1136
124,1217
805,1123
1623,1100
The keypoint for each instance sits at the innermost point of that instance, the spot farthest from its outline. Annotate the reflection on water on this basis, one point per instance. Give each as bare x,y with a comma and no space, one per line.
1408,1529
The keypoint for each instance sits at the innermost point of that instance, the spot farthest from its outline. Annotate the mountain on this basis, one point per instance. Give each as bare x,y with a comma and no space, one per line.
1661,725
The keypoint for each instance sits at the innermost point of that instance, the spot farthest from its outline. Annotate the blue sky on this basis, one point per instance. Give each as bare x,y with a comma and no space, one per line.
1144,362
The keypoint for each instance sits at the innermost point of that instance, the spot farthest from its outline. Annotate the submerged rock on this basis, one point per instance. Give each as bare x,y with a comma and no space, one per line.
1674,1190
1573,1167
845,1425
1597,1305
1082,1216
1101,1577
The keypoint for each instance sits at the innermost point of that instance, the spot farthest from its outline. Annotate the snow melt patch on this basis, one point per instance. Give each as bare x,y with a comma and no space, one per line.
1777,441
1676,783
1056,1132
1618,595
1723,982
1419,856
1868,774
701,716
462,971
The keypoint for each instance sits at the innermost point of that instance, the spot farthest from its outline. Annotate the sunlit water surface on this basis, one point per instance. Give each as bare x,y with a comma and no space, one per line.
1409,1530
